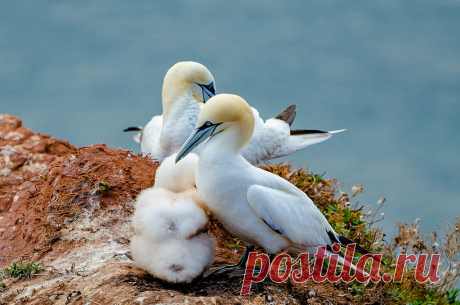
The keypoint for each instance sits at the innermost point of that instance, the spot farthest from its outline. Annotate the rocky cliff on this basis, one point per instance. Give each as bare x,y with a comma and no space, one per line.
69,209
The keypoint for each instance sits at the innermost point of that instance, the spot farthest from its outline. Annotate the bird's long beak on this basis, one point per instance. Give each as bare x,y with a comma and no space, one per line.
208,92
196,138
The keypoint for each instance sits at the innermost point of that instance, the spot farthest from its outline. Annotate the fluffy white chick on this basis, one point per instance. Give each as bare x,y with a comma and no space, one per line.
176,177
168,222
180,179
168,219
177,260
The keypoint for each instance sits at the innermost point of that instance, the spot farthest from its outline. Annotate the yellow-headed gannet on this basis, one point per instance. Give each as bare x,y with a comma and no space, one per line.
185,86
260,208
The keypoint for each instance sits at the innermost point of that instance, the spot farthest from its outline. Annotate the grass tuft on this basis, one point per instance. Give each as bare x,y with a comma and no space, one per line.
18,270
333,199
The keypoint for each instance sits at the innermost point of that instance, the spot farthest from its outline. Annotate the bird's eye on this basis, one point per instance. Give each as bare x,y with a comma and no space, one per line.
207,124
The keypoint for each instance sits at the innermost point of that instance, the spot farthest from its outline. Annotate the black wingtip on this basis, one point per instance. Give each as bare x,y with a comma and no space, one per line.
288,114
305,131
330,249
132,129
345,241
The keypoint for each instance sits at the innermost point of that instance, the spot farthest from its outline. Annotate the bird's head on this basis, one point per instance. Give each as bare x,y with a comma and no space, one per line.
189,78
223,115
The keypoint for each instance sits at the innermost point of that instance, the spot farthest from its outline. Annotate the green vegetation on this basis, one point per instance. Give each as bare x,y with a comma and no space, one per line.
105,186
235,245
2,286
18,270
74,215
333,199
451,296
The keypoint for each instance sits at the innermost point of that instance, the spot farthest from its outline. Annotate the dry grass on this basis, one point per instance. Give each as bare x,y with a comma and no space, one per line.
334,200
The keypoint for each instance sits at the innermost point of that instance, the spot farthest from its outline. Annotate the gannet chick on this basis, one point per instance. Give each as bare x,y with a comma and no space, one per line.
177,260
260,208
176,177
187,85
168,221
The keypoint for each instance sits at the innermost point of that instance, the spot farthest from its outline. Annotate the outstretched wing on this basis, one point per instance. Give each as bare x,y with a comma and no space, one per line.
290,213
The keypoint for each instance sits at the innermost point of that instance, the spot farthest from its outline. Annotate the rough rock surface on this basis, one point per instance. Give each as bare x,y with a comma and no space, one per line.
54,210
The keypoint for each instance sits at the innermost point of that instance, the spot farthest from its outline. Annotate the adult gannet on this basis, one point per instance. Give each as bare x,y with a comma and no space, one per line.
186,85
260,208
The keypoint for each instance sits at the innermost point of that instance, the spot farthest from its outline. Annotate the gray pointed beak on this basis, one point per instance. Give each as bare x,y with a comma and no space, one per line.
196,138
208,91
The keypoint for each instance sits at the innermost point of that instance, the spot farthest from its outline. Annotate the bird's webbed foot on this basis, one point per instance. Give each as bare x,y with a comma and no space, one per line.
231,270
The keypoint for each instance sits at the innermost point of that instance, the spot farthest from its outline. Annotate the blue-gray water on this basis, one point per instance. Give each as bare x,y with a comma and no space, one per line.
388,71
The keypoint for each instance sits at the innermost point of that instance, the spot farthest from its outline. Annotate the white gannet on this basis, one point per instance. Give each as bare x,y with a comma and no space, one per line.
169,222
186,85
260,208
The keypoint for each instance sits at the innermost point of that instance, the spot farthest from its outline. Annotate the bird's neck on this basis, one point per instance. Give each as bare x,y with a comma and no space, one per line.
227,145
180,113
176,95
179,106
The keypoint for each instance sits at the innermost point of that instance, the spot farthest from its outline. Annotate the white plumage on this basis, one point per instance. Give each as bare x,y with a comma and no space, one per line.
258,207
273,139
168,222
186,84
177,177
165,134
177,260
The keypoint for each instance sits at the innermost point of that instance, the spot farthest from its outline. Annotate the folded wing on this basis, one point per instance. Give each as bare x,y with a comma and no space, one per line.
291,213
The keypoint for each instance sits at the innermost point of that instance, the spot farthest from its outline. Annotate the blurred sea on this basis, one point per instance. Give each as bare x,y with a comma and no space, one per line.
388,71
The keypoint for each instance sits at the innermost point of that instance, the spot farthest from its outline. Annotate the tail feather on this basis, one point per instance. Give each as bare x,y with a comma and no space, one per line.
342,261
351,265
336,131
345,241
132,129
288,114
